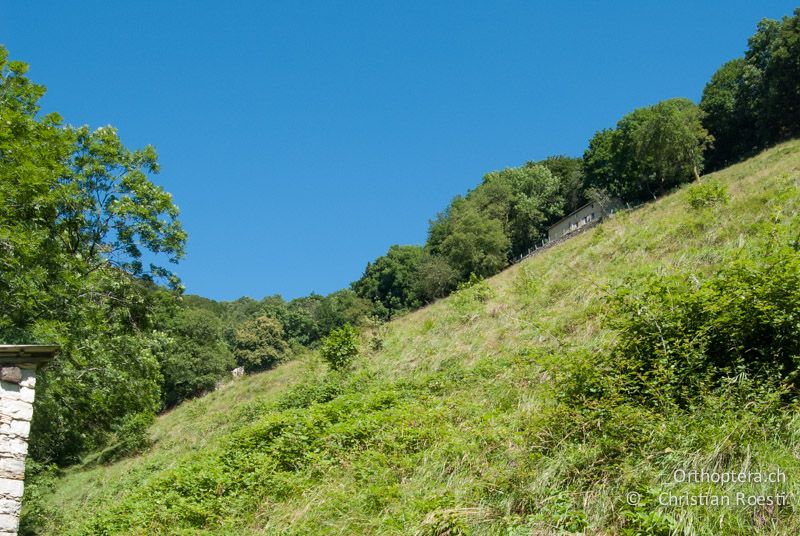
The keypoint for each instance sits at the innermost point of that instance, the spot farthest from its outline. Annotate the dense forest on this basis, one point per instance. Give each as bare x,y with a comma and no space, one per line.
80,213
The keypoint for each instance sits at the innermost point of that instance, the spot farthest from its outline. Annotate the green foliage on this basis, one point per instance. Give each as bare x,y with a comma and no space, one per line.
305,320
264,460
479,233
343,307
390,280
78,212
196,357
444,523
112,211
79,404
132,433
35,153
260,344
651,151
205,339
583,379
600,162
340,347
477,288
525,198
498,220
729,114
752,102
707,365
522,421
561,513
470,241
677,341
646,521
708,193
471,296
39,481
569,172
301,318
131,436
435,278
316,391
774,51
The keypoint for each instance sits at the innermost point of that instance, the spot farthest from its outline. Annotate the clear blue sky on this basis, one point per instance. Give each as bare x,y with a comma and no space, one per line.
302,139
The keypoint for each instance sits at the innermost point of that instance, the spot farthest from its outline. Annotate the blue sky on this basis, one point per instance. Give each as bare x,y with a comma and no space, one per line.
302,139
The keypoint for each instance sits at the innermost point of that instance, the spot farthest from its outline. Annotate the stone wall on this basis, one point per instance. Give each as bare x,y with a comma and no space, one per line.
17,384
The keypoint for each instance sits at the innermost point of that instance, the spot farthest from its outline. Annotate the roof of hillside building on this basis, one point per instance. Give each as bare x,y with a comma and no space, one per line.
27,353
571,213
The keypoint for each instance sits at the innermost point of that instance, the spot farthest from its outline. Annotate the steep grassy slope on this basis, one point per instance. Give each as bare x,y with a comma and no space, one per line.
453,422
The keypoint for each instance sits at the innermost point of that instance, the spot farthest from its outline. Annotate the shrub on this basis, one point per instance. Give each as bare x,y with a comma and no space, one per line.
376,331
581,379
435,278
561,512
677,341
132,436
477,288
471,295
40,479
314,390
645,520
340,347
707,194
443,523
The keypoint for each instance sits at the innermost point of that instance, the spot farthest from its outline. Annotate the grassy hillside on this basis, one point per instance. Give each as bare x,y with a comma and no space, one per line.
457,418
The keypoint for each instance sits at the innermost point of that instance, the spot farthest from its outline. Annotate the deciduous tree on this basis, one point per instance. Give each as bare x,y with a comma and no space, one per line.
78,211
652,150
260,344
390,280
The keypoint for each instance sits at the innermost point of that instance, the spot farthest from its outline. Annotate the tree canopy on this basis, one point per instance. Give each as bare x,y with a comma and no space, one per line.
260,343
569,172
390,280
78,211
650,151
753,102
196,356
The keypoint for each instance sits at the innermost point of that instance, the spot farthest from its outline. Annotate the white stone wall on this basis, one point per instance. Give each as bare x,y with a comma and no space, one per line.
17,384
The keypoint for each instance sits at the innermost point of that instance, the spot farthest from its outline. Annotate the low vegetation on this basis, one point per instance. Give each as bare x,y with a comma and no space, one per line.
534,402
340,348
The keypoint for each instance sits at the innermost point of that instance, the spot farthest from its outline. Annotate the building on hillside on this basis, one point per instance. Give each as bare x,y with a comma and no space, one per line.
590,213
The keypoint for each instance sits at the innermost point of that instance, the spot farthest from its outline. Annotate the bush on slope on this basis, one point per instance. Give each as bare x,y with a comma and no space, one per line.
507,415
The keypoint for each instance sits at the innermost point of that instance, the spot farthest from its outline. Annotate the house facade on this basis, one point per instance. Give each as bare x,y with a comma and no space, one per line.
587,214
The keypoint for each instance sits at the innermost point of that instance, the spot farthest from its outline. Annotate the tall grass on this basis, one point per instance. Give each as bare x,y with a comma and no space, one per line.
477,414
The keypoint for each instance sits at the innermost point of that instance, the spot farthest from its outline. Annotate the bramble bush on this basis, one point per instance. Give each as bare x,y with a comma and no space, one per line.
132,436
708,193
471,295
268,459
340,347
678,340
476,288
